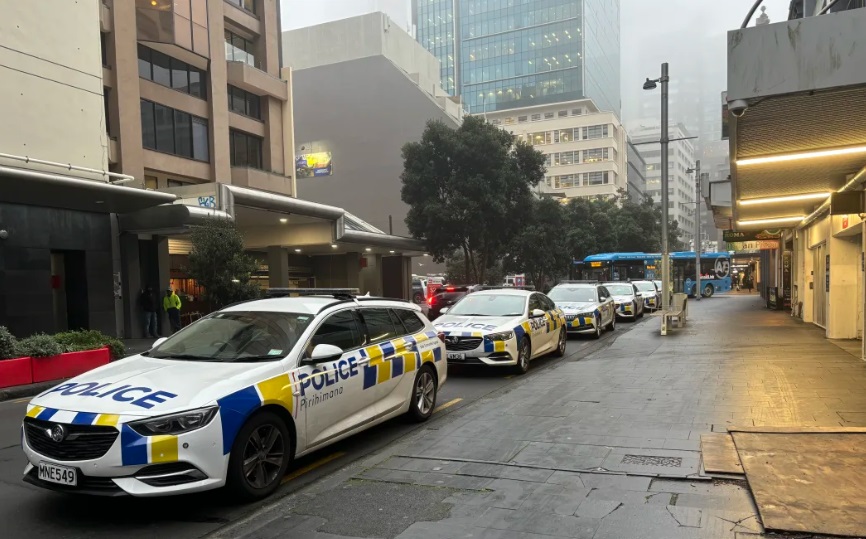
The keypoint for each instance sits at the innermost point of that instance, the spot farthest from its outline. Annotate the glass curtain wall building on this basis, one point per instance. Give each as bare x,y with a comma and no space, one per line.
504,54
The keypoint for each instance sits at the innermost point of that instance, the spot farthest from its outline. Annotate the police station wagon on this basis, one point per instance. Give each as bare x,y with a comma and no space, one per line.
234,397
502,328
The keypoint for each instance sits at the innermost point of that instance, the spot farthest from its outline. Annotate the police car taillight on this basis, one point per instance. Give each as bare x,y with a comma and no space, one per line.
441,336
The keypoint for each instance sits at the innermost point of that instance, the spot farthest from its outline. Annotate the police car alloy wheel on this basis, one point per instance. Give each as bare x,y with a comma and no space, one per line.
598,329
523,356
423,395
562,343
260,456
612,325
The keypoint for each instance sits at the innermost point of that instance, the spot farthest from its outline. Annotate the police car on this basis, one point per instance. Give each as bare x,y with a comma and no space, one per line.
627,299
502,327
652,298
233,398
588,307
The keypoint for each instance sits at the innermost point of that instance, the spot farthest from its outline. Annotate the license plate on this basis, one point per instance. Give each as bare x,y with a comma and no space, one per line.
58,474
456,357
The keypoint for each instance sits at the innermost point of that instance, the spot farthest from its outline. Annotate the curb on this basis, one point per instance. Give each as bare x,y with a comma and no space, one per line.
31,390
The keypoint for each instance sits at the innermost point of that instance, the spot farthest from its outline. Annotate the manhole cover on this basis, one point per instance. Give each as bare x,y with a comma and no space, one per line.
649,460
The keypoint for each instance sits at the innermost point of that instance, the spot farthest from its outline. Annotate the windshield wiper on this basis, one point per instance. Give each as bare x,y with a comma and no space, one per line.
189,357
256,358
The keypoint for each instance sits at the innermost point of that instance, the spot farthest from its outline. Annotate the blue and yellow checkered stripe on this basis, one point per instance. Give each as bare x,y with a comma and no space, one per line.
585,321
394,358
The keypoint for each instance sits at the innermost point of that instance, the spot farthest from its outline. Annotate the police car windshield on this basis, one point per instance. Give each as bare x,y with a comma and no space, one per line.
584,294
236,337
645,286
490,305
619,289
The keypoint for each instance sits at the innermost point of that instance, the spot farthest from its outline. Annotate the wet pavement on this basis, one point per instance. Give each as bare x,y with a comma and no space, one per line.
601,446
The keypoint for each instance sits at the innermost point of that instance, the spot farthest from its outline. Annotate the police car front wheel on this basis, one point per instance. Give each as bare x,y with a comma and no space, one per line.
260,456
524,354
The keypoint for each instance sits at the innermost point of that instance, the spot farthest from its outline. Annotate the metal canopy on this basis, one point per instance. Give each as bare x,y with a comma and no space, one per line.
24,186
167,219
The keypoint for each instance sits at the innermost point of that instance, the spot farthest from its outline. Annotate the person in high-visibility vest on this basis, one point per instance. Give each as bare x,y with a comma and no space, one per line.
171,304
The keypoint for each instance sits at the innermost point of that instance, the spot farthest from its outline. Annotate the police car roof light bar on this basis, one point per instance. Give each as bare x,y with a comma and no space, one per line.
339,293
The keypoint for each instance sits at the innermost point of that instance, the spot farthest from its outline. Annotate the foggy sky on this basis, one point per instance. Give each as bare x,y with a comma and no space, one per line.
688,34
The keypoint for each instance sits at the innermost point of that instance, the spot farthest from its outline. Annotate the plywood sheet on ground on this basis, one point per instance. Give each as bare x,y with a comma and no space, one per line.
807,482
719,454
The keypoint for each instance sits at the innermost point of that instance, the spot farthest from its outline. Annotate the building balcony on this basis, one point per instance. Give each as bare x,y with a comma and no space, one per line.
242,18
262,180
256,81
180,25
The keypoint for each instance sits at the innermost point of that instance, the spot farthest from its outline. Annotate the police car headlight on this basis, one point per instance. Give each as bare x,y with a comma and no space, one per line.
175,423
503,336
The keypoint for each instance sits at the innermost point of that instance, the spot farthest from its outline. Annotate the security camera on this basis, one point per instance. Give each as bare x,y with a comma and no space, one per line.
738,107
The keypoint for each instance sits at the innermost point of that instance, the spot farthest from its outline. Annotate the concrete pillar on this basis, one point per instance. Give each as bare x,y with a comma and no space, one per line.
130,273
278,267
126,96
164,273
844,274
218,95
353,270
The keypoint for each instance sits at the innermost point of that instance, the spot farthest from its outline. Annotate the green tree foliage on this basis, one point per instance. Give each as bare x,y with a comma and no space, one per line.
469,190
455,271
220,265
540,249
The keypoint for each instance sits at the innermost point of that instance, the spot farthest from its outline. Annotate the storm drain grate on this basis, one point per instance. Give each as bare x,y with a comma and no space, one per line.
649,460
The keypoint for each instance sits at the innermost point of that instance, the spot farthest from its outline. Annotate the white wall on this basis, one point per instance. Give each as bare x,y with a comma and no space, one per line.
51,100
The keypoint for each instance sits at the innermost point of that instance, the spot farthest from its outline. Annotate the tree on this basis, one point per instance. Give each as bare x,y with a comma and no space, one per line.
540,249
468,190
455,271
219,264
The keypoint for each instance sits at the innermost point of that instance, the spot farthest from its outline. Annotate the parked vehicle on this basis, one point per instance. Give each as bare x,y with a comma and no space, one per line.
627,299
588,307
446,297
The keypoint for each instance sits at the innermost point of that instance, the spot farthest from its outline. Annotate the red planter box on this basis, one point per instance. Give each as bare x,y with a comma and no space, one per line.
15,372
68,365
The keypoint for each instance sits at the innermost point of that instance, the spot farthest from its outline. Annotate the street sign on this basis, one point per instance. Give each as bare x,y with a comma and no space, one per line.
750,235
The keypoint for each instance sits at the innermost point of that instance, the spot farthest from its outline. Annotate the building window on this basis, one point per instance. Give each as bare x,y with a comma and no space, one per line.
173,131
150,182
596,178
595,131
248,5
566,158
105,91
103,46
509,120
562,113
566,135
576,112
521,119
246,149
537,139
548,115
170,72
536,117
245,103
595,155
495,122
239,49
177,183
568,181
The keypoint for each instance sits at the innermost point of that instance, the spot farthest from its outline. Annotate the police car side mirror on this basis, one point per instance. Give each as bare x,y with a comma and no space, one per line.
537,313
159,341
325,352
443,310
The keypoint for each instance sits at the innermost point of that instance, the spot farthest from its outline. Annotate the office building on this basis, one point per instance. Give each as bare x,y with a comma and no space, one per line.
362,88
636,173
681,183
507,54
585,147
135,121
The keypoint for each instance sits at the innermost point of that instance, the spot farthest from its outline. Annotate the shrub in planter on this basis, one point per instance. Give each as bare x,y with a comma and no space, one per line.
39,345
8,344
79,341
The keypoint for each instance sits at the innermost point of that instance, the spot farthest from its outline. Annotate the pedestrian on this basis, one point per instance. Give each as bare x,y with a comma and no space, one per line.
148,308
171,304
749,285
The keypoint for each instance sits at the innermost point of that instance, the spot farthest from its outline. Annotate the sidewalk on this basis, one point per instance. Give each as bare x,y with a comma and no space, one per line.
602,447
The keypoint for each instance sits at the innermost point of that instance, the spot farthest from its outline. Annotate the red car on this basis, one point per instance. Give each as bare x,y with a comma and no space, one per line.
446,297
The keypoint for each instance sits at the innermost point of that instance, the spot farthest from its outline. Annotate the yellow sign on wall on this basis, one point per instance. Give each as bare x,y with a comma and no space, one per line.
314,164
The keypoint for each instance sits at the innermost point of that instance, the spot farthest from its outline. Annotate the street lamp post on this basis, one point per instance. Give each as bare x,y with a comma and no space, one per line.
697,171
650,84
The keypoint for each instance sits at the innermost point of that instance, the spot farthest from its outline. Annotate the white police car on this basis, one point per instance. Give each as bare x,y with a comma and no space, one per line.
652,298
502,327
588,307
234,397
627,299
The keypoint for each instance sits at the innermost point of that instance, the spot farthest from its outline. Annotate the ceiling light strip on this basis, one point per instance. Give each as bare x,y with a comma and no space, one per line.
789,198
771,221
801,155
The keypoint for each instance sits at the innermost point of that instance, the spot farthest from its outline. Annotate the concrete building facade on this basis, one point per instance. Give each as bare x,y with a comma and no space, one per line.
505,54
136,121
681,184
362,126
585,148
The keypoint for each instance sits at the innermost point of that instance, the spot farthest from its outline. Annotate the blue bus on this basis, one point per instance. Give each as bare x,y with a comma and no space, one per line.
715,269
715,272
